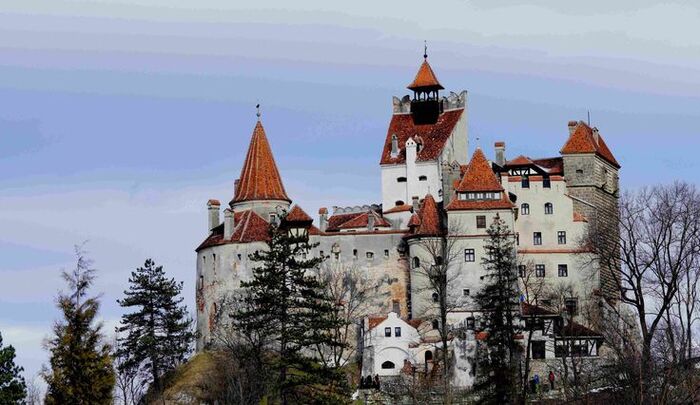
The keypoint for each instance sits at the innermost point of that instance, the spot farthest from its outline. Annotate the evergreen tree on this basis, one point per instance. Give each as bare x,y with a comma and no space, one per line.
498,298
12,386
81,367
293,309
158,335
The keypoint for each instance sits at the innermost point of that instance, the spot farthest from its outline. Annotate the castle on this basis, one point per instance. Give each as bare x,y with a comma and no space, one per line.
431,187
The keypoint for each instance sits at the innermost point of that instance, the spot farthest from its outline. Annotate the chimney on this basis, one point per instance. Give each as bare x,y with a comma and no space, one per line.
213,211
323,219
370,221
394,146
500,147
229,223
416,203
596,136
411,151
572,126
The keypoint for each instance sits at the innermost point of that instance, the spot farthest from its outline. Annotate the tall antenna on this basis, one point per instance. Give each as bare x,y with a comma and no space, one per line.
425,49
589,118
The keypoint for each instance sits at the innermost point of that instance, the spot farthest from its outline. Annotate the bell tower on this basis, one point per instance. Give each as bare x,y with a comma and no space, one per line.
425,105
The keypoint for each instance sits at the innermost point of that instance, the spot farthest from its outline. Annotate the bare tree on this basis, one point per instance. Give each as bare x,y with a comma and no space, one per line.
533,290
658,229
130,385
357,292
440,271
34,392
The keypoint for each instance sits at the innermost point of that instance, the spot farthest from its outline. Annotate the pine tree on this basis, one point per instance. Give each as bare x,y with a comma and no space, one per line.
292,308
498,298
12,386
81,367
158,335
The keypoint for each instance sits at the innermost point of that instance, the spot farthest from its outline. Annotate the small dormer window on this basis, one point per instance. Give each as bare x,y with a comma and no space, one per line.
387,332
397,331
525,181
422,178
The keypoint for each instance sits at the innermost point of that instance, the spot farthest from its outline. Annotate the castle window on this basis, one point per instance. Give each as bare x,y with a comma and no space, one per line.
416,262
396,307
354,253
239,257
525,209
563,270
386,253
401,179
336,255
471,323
201,281
387,332
521,271
397,332
525,181
537,238
422,178
320,253
399,203
481,221
571,305
428,356
579,171
436,297
387,365
369,255
538,349
548,209
469,255
561,237
436,324
517,238
465,292
539,270
546,182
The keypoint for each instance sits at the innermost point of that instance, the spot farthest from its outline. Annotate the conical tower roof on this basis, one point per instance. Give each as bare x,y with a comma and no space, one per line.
260,179
425,78
479,176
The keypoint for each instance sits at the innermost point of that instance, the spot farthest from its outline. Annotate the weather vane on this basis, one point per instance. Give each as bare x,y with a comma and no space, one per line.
257,113
425,49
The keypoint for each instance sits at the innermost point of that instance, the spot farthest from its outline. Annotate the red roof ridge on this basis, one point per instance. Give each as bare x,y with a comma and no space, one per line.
425,78
260,179
479,176
297,214
429,216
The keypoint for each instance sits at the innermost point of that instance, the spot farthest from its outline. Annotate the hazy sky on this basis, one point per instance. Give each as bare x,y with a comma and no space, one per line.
119,119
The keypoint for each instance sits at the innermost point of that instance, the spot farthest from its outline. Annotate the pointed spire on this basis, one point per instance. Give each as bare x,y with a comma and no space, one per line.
429,217
479,176
260,179
584,139
425,78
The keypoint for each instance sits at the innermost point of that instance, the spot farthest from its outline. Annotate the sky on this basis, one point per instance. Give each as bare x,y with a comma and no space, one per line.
120,119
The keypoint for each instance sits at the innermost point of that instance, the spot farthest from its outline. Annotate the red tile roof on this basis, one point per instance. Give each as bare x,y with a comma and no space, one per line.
213,202
434,136
582,140
554,166
374,321
467,205
260,179
414,221
399,208
479,176
425,78
574,329
534,310
297,214
248,227
519,161
362,221
430,221
335,220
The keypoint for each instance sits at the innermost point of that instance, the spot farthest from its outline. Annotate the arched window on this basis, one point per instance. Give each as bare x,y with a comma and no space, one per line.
436,297
428,356
387,365
548,208
422,178
525,209
416,262
436,324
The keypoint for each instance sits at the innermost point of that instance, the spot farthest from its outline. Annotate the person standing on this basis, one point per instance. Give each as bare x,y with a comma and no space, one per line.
551,379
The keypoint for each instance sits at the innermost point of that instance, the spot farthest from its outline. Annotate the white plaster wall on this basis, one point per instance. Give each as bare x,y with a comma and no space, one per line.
393,191
263,207
394,349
